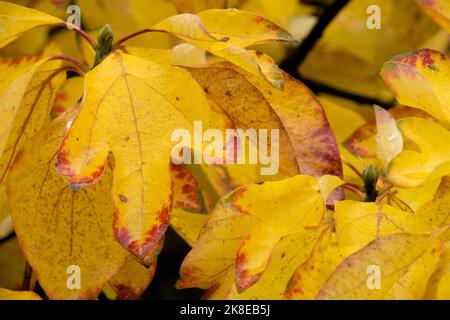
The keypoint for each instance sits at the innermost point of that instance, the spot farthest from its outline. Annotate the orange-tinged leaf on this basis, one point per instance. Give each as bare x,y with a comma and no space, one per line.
229,45
129,114
292,251
420,79
61,230
307,144
189,213
18,295
406,263
430,161
439,10
16,20
249,223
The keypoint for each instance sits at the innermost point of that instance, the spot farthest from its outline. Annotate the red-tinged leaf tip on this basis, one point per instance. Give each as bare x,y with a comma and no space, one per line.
354,142
64,167
232,200
150,239
243,279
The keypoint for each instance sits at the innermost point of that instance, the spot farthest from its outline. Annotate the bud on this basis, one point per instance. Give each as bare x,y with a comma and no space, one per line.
370,176
104,46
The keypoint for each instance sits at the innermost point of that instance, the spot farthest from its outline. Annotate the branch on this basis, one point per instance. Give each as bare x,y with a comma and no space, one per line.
299,55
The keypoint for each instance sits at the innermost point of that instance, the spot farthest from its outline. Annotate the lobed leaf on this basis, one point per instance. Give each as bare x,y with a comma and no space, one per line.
129,114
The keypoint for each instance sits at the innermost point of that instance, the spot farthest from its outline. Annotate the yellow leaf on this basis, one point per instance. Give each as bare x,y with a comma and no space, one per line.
249,224
420,79
359,223
309,278
16,20
307,143
18,295
405,262
207,32
439,10
129,114
431,161
292,251
63,233
129,16
183,54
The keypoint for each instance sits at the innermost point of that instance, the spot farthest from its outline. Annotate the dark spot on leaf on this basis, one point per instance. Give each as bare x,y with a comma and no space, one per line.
123,198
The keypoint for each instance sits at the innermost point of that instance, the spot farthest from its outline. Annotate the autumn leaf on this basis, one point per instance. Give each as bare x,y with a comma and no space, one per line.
17,20
183,54
129,16
129,114
420,79
205,30
359,223
406,263
307,144
59,228
248,230
431,161
189,213
309,278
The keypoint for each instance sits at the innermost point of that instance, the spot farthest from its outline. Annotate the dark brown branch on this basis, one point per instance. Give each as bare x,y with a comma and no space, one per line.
292,62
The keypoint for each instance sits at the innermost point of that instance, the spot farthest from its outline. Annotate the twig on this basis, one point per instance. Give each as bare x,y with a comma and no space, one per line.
83,34
133,35
298,56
